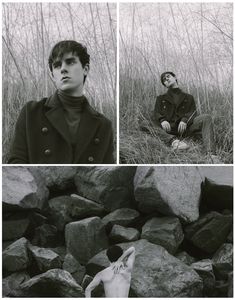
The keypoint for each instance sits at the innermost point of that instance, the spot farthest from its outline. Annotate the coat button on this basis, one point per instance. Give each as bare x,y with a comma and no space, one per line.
97,140
47,152
44,130
90,158
182,106
164,106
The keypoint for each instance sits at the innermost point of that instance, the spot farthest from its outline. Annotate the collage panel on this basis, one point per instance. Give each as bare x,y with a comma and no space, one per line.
105,231
59,83
176,83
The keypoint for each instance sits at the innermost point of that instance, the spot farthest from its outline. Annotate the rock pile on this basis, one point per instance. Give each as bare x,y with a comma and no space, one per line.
59,221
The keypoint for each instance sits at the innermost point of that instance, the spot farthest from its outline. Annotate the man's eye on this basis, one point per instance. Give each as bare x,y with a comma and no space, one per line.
71,62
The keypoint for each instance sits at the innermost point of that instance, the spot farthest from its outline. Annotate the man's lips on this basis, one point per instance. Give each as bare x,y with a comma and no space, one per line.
65,78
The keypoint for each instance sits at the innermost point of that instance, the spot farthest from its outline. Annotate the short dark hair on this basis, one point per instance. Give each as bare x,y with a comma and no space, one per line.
114,252
164,74
69,46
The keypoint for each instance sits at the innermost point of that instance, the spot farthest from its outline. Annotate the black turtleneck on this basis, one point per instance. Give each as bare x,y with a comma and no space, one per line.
175,93
73,107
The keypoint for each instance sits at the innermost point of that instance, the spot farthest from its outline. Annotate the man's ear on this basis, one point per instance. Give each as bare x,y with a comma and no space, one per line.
86,69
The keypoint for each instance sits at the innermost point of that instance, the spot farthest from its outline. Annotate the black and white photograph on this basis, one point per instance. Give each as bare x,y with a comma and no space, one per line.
59,83
176,83
123,231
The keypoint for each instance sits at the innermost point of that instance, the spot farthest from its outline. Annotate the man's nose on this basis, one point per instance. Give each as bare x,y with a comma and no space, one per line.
63,67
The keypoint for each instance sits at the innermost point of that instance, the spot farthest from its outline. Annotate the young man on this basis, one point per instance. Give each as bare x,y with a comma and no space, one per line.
175,113
63,128
117,277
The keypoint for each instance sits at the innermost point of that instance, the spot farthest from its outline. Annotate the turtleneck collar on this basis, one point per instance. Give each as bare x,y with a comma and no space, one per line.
71,101
174,91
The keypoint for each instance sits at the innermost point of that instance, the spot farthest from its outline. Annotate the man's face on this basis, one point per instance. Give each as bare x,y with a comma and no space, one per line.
169,80
68,73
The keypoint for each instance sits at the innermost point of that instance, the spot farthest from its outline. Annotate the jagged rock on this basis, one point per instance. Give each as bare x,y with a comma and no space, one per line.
230,284
74,268
210,231
47,236
85,238
98,291
57,178
120,234
121,216
230,237
221,289
110,186
20,190
170,190
15,257
53,283
166,232
65,209
14,229
12,282
223,261
205,270
156,273
61,251
45,259
185,258
222,175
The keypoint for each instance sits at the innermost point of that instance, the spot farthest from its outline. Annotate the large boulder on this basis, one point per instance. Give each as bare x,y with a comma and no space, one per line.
45,259
204,269
85,238
166,232
223,261
74,268
53,283
12,282
57,178
156,273
185,258
120,234
65,209
110,186
121,216
15,257
173,190
210,231
46,236
222,175
13,229
21,190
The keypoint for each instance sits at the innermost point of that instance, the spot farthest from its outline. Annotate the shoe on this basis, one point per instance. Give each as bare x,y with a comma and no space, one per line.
180,145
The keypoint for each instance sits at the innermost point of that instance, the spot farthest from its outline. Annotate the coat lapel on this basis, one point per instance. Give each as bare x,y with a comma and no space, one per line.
88,126
55,116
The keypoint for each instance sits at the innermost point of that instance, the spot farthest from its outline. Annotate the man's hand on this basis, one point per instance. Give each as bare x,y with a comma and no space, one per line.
166,126
117,266
182,127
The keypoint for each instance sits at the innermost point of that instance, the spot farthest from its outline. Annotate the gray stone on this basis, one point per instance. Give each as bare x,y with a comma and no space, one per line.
230,284
210,231
120,234
45,259
166,232
205,270
15,257
12,282
57,178
156,273
21,190
85,238
46,236
173,190
74,268
223,261
53,283
185,258
222,175
14,229
110,186
65,209
121,216
61,251
230,237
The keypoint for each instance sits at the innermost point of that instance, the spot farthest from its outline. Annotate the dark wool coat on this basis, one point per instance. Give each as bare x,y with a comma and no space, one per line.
42,136
166,110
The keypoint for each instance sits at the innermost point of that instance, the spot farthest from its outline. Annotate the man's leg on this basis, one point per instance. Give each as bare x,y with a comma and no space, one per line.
155,130
202,125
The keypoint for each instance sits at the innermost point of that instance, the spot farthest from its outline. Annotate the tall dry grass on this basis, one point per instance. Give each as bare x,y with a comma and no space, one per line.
30,30
193,40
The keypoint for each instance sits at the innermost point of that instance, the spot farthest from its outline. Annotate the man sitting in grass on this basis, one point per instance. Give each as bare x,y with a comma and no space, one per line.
117,277
176,117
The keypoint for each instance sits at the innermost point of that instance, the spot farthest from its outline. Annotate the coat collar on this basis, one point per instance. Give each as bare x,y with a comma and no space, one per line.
89,123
